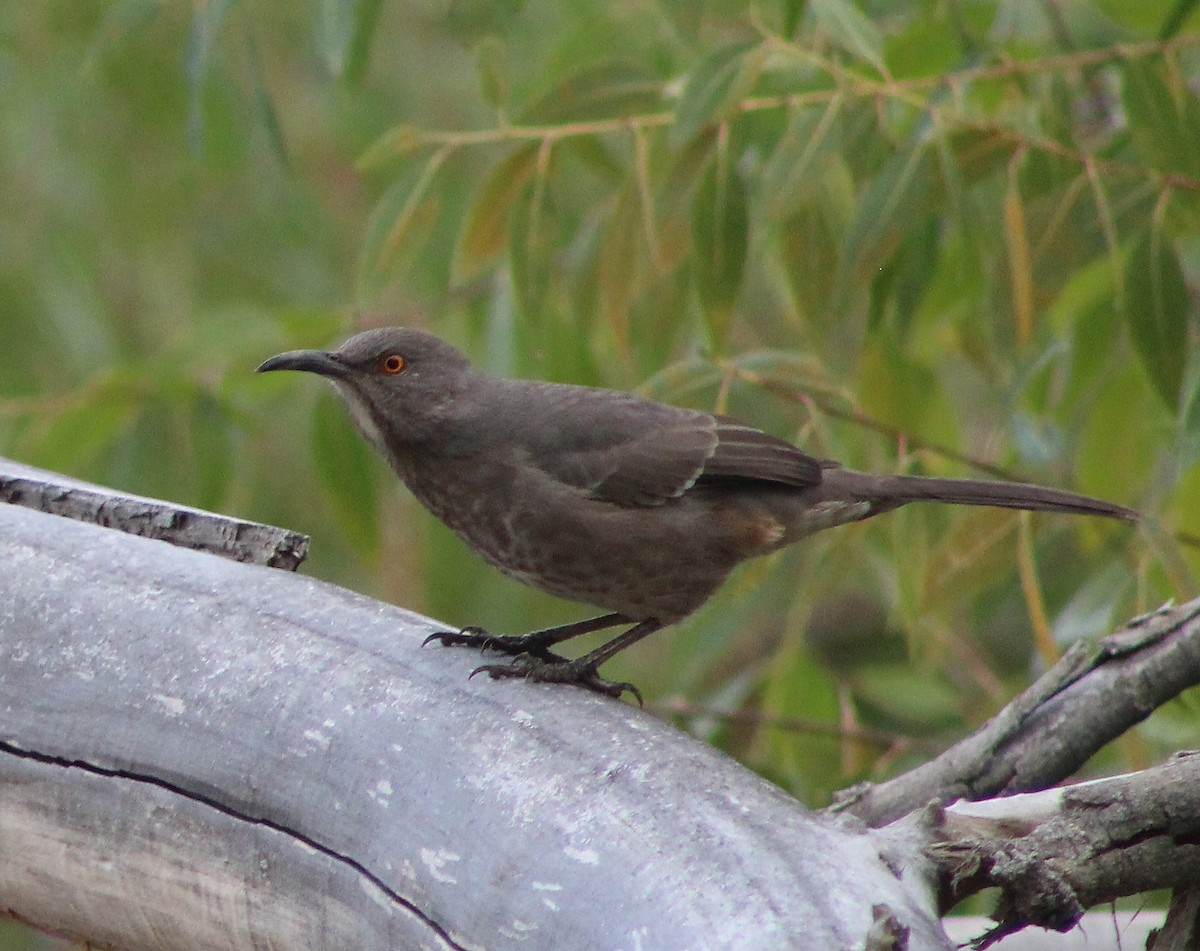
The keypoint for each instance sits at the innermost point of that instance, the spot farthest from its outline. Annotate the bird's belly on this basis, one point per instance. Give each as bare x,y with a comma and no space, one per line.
661,562
624,560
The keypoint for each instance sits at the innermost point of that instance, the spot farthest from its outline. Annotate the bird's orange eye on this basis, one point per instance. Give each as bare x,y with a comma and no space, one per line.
391,364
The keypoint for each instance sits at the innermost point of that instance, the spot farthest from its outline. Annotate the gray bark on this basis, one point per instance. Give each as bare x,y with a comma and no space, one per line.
196,753
1090,697
151,518
1056,852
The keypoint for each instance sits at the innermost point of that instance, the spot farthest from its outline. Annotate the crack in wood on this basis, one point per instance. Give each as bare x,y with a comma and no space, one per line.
358,867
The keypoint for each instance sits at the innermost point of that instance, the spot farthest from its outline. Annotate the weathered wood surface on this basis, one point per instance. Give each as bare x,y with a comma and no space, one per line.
151,518
196,753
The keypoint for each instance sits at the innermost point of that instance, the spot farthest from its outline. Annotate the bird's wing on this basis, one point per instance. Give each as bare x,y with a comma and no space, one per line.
638,452
746,453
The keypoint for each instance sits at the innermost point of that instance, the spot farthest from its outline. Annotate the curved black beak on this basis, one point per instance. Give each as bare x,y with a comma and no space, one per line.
310,361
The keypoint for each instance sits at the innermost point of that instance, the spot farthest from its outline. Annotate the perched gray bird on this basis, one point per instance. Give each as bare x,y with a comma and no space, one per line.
633,506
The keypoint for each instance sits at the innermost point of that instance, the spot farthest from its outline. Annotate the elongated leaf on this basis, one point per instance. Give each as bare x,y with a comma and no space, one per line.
976,154
209,446
792,11
395,143
469,21
265,105
344,32
1190,416
902,391
121,23
344,463
532,244
1162,120
618,271
720,230
1176,18
608,89
903,282
493,78
207,20
1156,309
892,199
400,220
789,176
1020,265
75,438
715,86
849,28
486,231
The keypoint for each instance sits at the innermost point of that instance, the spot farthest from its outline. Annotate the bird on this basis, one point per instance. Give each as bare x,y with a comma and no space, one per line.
636,507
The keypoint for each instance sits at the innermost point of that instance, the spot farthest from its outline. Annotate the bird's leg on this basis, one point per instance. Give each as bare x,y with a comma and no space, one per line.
537,644
581,671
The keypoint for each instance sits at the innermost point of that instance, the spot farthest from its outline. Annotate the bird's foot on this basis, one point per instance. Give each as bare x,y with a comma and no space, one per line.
559,670
477,637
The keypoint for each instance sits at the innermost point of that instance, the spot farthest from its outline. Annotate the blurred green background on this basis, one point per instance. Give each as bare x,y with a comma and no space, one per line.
957,237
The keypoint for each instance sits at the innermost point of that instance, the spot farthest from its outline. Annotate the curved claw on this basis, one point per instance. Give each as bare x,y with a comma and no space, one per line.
559,671
466,637
514,646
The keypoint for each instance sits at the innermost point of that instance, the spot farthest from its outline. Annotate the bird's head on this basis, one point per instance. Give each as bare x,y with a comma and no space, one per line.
401,385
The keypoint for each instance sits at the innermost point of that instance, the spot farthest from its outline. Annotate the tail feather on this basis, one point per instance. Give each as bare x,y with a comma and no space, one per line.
888,492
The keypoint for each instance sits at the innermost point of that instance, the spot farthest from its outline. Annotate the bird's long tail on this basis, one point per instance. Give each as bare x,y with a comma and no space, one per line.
891,491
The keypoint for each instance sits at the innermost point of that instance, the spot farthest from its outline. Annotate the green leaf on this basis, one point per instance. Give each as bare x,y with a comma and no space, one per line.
344,30
493,77
532,245
486,231
808,254
1176,18
1118,443
1189,452
907,699
715,87
344,463
208,442
1092,610
792,11
121,24
791,175
849,28
397,142
720,233
901,284
973,155
609,89
902,391
207,20
882,216
1156,309
1162,120
621,250
402,219
78,436
469,21
264,105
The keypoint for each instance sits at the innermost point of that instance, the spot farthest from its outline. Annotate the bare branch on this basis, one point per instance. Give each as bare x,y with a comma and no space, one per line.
151,518
1091,696
1057,852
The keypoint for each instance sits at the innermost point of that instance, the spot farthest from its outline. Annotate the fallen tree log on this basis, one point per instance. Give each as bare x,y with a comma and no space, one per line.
203,752
197,753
